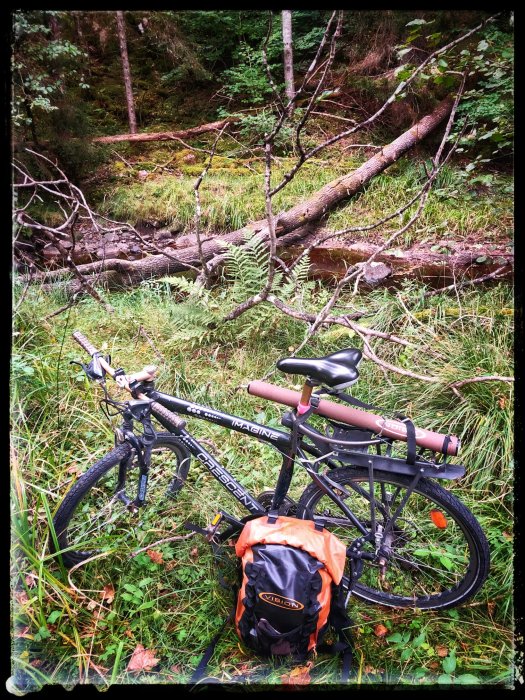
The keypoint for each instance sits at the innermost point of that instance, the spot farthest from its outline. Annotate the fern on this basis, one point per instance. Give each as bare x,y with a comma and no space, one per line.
197,312
247,267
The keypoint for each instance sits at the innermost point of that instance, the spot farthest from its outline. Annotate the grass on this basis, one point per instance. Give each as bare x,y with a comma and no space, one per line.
68,635
446,213
230,198
233,195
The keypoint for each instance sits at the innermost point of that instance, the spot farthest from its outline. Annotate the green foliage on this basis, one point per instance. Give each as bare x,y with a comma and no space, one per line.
489,107
486,110
253,128
247,80
42,66
198,314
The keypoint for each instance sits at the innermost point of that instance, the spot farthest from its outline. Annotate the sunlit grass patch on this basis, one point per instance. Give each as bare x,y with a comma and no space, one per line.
231,198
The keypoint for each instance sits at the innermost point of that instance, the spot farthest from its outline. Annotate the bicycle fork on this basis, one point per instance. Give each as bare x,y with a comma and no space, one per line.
139,410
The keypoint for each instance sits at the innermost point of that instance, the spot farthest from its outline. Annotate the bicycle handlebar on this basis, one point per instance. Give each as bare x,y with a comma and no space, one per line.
147,374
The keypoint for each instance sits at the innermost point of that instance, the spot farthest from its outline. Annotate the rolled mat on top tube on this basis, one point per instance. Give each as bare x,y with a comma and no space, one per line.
361,419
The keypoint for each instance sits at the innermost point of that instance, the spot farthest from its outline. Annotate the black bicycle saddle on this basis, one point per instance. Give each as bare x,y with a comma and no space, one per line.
337,370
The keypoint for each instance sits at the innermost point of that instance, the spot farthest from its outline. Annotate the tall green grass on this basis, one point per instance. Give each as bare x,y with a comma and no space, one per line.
231,198
175,608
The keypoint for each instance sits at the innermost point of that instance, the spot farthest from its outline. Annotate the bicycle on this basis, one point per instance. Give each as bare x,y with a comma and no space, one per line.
410,542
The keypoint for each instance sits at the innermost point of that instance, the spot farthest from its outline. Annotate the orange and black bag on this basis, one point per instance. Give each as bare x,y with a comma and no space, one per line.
291,590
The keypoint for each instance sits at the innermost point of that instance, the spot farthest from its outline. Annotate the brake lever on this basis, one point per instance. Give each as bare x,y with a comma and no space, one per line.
94,369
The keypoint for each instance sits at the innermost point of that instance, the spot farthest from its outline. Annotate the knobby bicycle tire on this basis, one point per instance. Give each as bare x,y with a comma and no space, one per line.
439,556
75,503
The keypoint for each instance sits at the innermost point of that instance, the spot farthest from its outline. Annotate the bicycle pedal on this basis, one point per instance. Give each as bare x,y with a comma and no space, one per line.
214,526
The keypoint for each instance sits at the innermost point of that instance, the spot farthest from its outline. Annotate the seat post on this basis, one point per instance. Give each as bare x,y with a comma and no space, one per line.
304,401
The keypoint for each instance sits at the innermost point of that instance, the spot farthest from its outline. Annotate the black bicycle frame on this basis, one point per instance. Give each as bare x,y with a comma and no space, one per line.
282,441
279,439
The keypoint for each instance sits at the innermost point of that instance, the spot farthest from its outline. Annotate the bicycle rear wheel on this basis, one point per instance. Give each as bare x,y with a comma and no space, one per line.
437,554
91,519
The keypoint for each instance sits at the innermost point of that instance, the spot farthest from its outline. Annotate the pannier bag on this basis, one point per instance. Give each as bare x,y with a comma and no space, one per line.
291,588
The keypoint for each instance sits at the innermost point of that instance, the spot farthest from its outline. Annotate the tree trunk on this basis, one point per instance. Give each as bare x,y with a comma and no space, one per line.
167,135
295,223
288,56
126,71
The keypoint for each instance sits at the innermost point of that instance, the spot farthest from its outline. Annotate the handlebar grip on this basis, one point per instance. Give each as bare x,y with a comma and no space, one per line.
166,417
84,343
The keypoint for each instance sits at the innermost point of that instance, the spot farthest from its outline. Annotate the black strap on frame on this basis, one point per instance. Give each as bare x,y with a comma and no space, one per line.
410,428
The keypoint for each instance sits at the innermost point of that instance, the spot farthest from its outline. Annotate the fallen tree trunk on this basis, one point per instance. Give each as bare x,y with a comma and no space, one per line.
167,135
298,219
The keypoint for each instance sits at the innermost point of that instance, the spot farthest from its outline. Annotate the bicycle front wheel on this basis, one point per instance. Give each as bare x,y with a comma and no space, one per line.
91,518
437,555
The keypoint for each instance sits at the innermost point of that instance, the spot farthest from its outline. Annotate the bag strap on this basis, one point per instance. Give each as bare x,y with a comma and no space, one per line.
411,439
341,623
205,659
351,399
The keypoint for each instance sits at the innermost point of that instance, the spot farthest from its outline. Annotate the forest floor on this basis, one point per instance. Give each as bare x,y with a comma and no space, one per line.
87,627
466,228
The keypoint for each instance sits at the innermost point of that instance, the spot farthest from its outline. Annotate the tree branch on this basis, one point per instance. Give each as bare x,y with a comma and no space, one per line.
400,88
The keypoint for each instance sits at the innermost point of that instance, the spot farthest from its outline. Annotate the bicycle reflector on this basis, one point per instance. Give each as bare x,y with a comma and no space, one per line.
438,519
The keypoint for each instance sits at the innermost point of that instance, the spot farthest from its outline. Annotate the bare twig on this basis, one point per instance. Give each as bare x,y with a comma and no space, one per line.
76,589
318,87
465,283
24,220
313,66
157,352
370,354
24,291
272,242
485,378
175,538
341,119
204,265
67,306
122,158
267,66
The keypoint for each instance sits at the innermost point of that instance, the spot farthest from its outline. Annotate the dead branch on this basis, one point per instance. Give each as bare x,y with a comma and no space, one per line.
174,538
198,212
24,290
341,119
168,135
23,219
492,378
465,283
370,354
318,87
269,75
486,378
150,342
